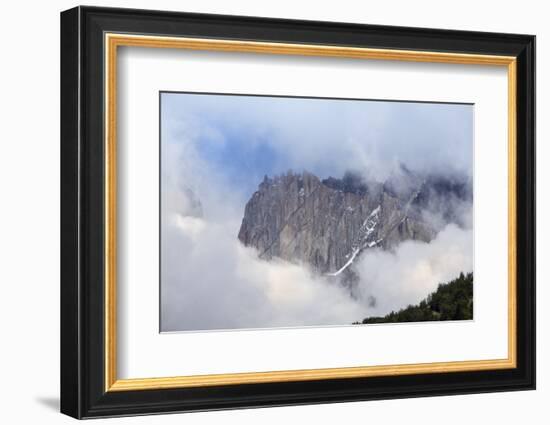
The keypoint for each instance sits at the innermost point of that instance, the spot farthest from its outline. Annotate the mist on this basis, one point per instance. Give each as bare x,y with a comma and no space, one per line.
211,281
249,136
215,151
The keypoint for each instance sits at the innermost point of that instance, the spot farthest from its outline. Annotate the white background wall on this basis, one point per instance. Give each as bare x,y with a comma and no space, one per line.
29,224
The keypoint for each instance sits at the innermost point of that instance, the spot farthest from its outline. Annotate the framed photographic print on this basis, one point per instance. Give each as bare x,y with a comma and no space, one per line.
261,212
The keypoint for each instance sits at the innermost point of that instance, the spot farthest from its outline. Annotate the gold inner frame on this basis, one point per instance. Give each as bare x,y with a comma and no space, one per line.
113,41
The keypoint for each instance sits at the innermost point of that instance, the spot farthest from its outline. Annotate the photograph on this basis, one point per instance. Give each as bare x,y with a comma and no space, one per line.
282,212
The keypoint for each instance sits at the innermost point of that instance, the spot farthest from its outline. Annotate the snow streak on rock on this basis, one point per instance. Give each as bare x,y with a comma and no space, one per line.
364,239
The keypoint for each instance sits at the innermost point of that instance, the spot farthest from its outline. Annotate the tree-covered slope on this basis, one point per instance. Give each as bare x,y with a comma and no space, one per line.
451,301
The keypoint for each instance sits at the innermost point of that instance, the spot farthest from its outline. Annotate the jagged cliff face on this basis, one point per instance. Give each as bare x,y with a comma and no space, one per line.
328,224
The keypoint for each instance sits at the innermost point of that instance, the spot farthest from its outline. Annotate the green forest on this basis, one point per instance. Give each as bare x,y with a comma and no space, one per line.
453,300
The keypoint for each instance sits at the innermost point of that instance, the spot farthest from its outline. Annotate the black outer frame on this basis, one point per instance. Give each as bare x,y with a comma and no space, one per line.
82,220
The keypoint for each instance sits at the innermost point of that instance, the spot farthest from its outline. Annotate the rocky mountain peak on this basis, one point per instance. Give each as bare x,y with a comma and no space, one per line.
328,223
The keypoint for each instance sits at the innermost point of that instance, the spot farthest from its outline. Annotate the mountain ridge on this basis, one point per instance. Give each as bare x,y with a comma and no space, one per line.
328,223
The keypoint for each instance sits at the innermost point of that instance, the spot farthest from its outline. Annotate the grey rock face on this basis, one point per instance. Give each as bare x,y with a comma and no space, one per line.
184,202
328,224
193,204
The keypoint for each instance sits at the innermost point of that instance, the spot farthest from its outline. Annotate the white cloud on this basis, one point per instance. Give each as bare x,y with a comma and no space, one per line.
210,281
414,269
329,137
